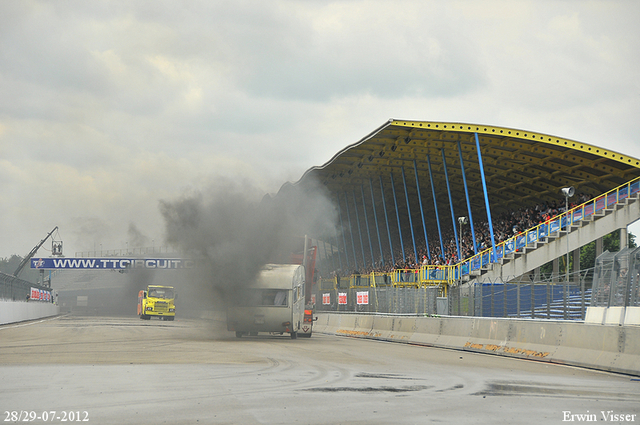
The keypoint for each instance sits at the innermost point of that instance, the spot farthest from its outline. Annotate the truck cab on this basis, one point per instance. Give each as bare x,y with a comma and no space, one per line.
157,301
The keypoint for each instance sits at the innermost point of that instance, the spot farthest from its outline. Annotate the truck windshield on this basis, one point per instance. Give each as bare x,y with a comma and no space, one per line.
161,293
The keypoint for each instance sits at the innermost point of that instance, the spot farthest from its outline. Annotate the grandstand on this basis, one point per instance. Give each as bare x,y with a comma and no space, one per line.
423,204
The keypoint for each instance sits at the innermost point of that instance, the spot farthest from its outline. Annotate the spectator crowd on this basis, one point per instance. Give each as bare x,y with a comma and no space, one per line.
505,226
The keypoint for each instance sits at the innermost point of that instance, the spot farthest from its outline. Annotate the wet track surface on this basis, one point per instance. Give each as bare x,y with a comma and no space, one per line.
124,370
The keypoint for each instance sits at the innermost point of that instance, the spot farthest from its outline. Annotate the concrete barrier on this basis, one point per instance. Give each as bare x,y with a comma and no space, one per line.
632,316
20,311
613,315
603,347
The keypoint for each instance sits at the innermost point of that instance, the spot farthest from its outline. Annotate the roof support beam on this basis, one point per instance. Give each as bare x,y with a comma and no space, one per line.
406,195
395,201
466,193
453,216
486,200
435,205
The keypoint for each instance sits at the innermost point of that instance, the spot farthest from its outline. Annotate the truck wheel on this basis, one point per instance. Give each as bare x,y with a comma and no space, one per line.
294,335
145,317
238,334
171,318
306,335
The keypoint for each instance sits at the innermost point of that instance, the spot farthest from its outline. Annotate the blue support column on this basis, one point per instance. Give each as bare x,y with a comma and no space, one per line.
395,201
466,192
355,206
453,216
386,219
375,219
486,200
406,195
366,222
338,248
424,227
435,206
324,247
353,244
344,239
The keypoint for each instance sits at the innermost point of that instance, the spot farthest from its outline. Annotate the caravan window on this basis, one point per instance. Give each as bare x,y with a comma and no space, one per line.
263,297
296,294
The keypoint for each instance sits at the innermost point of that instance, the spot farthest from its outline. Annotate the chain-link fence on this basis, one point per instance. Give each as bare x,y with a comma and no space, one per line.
388,299
617,279
15,289
563,301
561,297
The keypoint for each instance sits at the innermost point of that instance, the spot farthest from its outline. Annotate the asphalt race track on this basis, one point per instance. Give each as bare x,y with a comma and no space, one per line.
109,370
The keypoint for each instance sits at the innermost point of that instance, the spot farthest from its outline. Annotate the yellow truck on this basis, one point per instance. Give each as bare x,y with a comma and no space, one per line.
158,301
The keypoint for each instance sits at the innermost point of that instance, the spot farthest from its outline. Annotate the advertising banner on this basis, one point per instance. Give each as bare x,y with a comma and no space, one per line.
623,193
542,230
577,215
362,297
509,246
342,298
588,209
111,263
39,295
476,262
326,299
436,274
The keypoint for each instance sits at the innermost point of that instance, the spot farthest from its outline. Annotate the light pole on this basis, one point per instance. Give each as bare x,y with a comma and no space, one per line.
461,221
568,192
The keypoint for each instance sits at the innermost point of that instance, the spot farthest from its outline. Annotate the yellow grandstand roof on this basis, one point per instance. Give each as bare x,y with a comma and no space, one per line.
521,167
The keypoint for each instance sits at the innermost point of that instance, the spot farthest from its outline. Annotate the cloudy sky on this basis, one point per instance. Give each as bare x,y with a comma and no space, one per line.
107,108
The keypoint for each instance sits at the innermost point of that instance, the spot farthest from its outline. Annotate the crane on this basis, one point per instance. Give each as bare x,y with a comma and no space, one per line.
33,252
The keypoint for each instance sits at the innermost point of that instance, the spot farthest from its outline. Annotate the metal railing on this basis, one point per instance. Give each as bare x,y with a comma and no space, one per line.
127,252
553,227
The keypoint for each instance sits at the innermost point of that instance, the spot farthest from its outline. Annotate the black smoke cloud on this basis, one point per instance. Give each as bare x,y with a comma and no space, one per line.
136,238
233,233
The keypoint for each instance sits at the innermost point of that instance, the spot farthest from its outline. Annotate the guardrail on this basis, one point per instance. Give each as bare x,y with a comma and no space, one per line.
551,228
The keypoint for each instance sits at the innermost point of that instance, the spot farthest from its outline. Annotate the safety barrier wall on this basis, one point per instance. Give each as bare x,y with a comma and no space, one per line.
608,348
20,311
